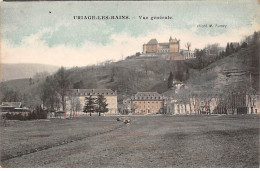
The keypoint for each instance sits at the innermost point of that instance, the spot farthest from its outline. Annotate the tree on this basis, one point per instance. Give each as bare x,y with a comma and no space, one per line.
49,95
62,83
237,47
72,103
78,85
179,74
90,105
186,74
78,105
10,95
255,51
255,39
200,55
232,49
101,104
41,75
227,49
244,45
188,45
113,72
170,80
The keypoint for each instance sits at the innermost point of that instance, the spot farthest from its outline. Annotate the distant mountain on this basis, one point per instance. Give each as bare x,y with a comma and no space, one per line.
24,70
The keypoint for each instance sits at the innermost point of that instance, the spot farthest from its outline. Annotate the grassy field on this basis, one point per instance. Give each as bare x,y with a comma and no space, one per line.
22,137
148,141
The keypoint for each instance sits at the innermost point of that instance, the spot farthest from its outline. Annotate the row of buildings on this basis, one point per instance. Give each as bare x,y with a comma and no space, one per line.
240,104
146,103
174,102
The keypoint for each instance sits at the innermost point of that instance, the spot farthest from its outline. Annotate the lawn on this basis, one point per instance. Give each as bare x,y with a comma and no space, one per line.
22,137
148,141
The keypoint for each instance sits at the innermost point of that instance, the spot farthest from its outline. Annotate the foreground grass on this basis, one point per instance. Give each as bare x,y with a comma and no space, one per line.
148,141
24,137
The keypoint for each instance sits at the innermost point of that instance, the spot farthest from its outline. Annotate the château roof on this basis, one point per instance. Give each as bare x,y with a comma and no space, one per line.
147,96
164,44
93,92
153,42
171,40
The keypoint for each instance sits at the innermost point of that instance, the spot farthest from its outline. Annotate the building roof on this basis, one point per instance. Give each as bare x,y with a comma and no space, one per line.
153,42
11,104
104,92
147,95
164,44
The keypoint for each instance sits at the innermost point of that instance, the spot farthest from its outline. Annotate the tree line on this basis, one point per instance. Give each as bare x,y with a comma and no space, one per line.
214,52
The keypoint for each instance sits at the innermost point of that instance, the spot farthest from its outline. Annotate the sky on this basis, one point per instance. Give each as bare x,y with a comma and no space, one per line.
47,33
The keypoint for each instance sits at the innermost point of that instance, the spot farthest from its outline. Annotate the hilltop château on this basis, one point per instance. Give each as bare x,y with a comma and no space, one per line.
173,46
167,50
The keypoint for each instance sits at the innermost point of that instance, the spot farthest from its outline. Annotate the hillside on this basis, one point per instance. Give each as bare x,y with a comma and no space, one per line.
127,76
28,93
24,70
130,76
228,73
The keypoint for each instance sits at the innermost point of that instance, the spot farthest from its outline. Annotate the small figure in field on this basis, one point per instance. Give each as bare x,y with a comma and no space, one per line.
4,118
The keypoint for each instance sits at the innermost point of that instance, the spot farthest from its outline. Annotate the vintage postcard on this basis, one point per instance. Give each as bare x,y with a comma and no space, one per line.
130,84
